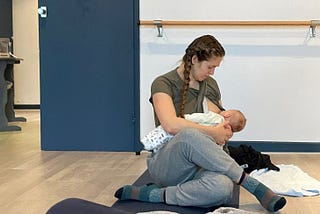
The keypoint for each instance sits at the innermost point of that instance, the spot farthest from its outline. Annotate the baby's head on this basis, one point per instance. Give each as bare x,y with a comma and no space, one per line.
236,119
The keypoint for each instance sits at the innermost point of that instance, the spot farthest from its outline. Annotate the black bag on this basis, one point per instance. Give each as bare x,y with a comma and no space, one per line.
251,159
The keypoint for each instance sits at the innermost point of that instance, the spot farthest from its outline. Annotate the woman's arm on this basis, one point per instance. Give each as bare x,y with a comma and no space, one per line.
164,108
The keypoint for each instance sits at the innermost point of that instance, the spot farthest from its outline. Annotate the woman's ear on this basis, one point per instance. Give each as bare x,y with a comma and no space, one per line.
225,114
194,59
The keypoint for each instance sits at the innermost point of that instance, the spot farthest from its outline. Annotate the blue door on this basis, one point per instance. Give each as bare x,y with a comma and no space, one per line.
89,75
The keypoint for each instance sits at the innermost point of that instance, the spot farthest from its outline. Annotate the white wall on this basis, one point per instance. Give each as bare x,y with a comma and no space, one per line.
270,73
26,46
230,9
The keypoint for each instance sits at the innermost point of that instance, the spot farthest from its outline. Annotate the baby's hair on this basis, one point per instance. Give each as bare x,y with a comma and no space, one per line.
204,48
241,123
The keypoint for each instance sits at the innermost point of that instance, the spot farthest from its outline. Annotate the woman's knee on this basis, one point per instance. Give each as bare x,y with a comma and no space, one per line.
189,132
194,138
221,190
192,135
227,191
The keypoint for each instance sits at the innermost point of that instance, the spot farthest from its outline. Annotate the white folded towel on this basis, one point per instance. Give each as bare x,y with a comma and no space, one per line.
290,181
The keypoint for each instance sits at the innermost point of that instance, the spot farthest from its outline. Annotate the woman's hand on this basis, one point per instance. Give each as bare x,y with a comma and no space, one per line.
220,133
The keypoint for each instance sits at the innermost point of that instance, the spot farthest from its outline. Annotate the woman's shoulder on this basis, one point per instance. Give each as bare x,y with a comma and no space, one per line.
170,77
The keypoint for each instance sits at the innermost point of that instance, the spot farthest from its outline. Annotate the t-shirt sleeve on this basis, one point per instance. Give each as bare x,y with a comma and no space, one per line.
161,84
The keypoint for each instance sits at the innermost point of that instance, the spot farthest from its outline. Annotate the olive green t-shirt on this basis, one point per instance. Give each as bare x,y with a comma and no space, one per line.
171,84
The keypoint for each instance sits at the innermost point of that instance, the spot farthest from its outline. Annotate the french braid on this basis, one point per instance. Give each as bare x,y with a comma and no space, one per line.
203,47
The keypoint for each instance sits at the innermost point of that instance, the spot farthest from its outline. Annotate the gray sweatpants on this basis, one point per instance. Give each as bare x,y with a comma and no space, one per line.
194,170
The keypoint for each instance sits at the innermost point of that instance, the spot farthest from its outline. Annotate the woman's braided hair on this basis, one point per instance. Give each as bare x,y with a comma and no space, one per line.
204,48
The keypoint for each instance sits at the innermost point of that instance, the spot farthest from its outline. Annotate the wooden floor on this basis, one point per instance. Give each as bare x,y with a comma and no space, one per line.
32,180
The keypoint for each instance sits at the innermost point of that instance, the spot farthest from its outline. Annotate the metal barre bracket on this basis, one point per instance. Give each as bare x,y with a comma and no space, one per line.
158,23
313,25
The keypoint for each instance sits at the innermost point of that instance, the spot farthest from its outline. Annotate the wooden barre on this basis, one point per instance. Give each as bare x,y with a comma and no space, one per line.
227,23
160,23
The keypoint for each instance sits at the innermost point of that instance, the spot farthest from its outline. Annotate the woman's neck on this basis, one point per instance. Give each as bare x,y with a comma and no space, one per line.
180,70
193,83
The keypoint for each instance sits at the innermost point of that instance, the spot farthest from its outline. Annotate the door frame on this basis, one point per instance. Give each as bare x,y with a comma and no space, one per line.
136,24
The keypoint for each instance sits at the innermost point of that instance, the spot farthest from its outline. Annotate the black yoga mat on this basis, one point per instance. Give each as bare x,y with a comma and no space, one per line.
80,206
137,206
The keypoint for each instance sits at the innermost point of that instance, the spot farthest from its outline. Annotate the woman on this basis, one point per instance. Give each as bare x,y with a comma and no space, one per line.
192,169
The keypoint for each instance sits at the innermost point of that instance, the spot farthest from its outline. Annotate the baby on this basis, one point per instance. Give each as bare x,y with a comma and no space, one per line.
155,139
